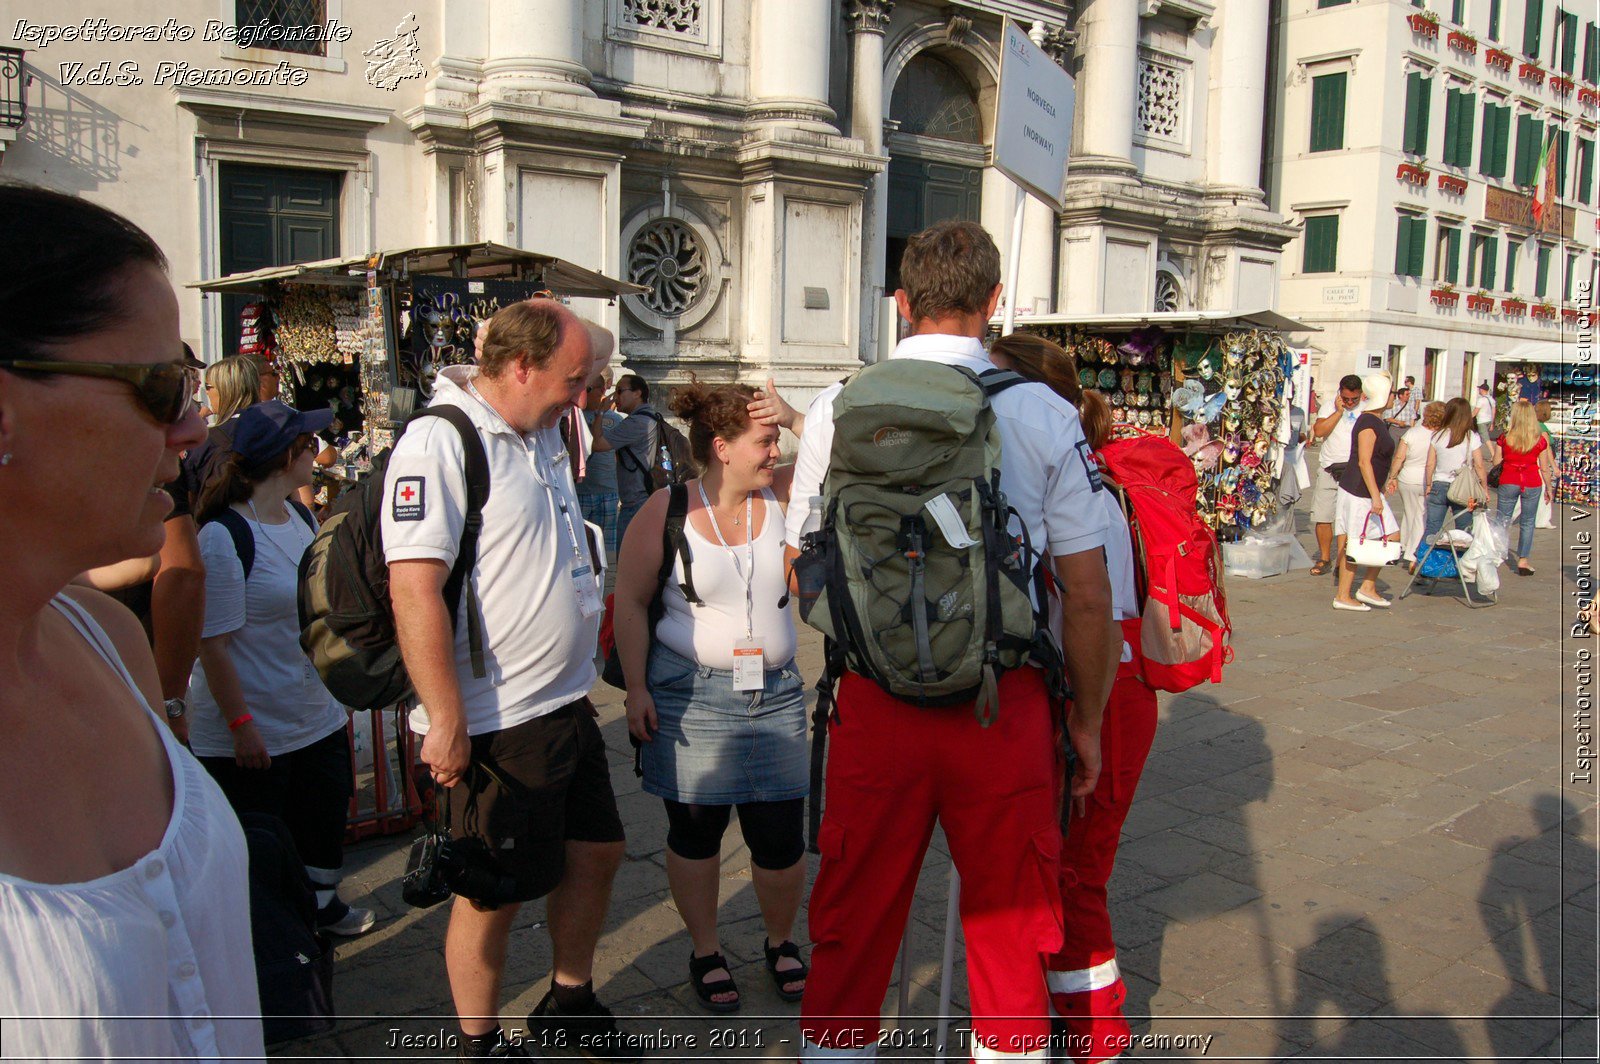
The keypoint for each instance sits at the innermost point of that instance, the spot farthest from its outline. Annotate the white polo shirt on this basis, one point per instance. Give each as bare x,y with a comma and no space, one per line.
538,646
1336,444
1044,460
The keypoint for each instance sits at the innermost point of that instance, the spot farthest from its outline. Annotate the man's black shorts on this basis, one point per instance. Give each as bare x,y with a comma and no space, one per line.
558,788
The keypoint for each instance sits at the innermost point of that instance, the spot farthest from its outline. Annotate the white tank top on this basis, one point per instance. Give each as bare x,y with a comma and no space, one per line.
707,633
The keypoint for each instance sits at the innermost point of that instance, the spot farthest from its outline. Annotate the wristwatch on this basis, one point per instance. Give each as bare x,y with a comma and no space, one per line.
176,708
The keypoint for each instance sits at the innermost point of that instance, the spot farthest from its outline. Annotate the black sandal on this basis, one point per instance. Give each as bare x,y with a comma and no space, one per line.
1322,567
786,978
703,989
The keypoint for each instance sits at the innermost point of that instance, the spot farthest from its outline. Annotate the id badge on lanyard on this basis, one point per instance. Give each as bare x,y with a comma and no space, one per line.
749,656
749,665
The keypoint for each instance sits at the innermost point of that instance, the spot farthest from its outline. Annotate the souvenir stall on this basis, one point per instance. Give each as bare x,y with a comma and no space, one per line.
367,337
1569,374
1216,382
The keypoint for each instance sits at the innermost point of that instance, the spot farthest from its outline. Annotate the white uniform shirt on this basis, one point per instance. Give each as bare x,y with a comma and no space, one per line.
1483,408
1045,465
1336,444
538,646
282,691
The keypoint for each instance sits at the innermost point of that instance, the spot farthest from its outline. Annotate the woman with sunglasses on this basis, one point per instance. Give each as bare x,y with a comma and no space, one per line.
264,725
231,388
123,890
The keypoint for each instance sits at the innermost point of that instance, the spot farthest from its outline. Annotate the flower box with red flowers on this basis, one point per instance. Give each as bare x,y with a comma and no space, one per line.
1494,57
1425,23
1531,72
1544,312
1480,303
1412,173
1445,297
1514,307
1569,313
1456,186
1588,97
1592,318
1462,42
1561,85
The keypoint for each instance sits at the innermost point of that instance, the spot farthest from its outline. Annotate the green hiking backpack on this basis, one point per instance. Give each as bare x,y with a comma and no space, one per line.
918,583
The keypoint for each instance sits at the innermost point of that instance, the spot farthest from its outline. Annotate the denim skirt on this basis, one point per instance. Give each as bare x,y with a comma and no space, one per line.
718,746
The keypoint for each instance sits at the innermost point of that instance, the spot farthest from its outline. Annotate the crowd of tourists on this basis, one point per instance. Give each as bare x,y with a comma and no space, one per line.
134,750
1439,462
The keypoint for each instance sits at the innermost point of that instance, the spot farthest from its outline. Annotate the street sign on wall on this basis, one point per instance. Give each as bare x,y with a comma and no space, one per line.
1033,123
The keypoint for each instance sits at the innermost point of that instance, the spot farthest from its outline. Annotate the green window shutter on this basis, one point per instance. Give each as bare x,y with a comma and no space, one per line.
1502,139
1558,159
1486,165
1474,258
1458,13
1415,138
1511,264
1491,256
1327,112
1530,138
1331,3
1494,20
1452,108
1419,245
1322,244
1452,262
1591,53
1541,272
1569,42
1409,247
1569,276
1532,23
1585,191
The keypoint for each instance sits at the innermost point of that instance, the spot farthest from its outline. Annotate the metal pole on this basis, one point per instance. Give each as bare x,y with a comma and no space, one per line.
905,975
1014,266
952,913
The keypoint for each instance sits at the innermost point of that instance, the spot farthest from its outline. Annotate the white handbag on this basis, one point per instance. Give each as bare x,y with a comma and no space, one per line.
1371,552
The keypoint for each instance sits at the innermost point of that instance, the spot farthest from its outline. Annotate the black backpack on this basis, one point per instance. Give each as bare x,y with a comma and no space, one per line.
671,461
674,545
294,963
244,537
346,618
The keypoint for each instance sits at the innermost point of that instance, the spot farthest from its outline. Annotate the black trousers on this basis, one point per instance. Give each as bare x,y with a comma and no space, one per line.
309,790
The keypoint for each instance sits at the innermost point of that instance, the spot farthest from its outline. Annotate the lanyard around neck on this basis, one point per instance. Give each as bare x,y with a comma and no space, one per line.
749,570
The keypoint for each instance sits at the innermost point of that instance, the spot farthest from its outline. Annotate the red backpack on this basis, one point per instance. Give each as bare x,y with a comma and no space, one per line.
1184,628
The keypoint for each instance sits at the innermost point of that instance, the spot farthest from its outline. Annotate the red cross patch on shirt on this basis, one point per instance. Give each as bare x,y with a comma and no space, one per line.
409,500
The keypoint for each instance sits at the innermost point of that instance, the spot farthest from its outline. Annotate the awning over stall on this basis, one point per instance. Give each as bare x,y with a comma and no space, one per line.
1174,320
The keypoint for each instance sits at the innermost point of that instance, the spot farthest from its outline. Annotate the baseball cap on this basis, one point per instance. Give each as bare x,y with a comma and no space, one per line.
266,430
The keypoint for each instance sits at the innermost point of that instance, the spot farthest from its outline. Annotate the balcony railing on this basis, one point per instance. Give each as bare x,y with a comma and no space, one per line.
13,89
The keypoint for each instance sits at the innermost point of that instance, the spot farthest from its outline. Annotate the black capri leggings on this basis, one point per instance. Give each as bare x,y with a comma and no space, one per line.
774,831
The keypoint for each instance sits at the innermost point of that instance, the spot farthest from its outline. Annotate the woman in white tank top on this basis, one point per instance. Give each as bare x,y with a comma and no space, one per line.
124,904
714,700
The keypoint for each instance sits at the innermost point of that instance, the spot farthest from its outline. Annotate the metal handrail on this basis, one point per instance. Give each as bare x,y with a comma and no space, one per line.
13,89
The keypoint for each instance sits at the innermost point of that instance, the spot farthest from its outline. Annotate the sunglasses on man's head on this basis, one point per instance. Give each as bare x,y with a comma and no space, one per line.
165,389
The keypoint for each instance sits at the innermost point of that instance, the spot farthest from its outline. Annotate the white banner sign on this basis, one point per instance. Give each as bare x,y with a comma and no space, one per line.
1033,129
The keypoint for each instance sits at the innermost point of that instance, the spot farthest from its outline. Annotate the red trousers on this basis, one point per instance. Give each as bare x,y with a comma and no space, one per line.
893,770
1086,988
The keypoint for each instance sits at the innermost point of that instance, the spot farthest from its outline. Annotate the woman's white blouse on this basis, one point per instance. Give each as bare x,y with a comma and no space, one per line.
151,962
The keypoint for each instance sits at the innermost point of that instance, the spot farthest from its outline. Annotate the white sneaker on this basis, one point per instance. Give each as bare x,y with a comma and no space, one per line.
347,924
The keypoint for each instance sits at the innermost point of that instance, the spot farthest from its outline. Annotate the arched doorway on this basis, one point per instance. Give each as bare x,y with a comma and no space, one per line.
936,153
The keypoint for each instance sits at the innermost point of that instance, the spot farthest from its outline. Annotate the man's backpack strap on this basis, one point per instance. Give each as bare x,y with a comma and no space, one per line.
675,544
995,381
460,579
833,667
244,540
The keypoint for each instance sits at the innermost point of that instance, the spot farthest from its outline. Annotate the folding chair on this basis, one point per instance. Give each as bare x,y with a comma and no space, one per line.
1442,541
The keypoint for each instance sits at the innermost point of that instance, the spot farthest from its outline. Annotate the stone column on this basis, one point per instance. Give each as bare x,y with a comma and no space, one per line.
867,19
789,63
535,46
1239,58
1107,87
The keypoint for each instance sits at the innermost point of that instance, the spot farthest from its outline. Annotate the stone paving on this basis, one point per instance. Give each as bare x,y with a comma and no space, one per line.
1362,844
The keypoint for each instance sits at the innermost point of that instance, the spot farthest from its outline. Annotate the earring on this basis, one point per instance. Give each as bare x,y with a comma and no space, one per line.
5,459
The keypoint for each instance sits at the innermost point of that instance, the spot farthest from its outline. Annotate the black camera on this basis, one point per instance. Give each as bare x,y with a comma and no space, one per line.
439,866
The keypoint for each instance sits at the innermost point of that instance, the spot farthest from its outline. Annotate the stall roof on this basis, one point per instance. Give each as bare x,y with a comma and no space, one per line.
481,260
1174,319
1548,353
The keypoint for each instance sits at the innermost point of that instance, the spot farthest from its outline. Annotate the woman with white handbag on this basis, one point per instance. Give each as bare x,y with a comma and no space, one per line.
1455,470
1364,528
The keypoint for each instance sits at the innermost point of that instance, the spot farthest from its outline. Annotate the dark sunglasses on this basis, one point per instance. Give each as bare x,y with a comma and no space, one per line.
165,389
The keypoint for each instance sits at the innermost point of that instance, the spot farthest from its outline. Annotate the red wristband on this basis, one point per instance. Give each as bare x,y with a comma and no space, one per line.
240,721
